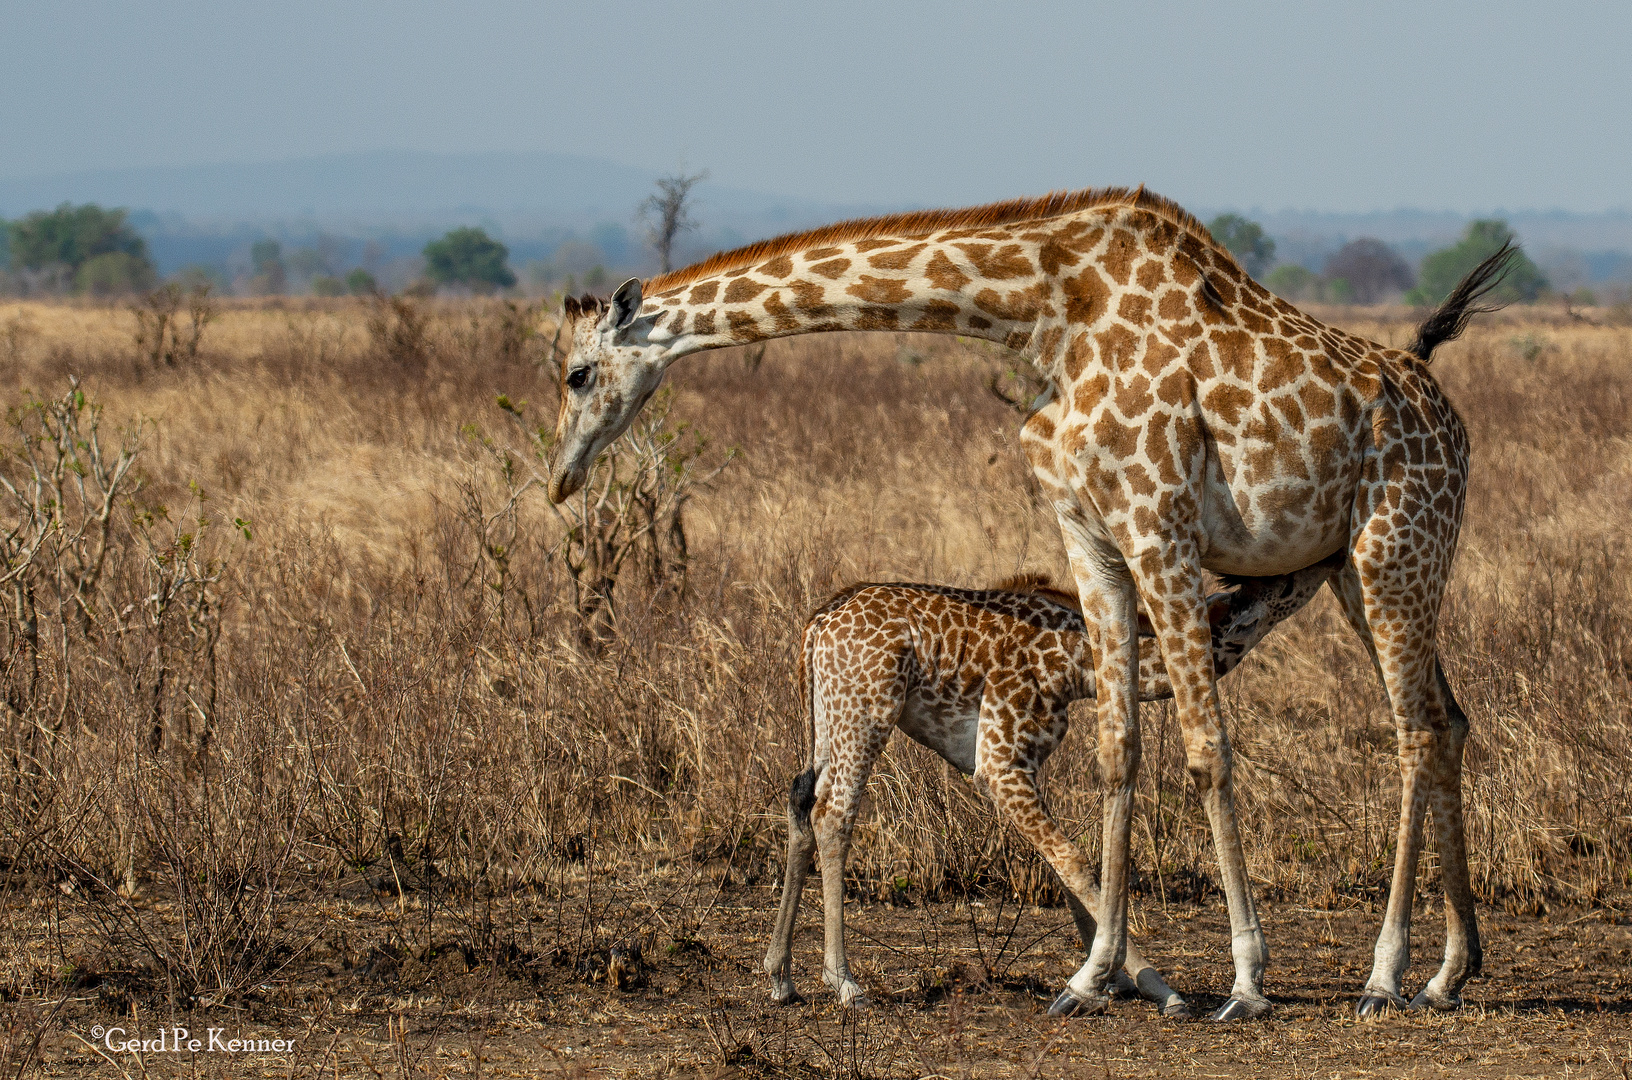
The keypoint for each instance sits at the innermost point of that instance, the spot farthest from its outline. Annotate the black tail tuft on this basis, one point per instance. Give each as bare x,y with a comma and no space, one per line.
801,798
1451,317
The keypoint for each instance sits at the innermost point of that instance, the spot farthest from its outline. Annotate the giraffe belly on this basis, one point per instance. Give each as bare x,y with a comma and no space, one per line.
1274,529
947,727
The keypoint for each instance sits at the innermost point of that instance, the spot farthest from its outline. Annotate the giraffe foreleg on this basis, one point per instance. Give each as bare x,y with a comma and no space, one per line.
1108,605
1175,598
1012,787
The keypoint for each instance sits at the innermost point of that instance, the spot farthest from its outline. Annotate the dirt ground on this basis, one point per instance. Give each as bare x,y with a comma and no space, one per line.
960,990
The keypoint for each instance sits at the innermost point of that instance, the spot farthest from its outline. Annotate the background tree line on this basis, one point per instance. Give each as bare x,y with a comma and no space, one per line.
1368,271
89,250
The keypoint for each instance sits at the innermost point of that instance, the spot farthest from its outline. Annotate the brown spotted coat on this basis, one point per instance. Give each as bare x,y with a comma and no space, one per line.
984,678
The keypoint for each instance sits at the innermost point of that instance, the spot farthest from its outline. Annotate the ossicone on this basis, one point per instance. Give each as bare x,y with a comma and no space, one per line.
576,307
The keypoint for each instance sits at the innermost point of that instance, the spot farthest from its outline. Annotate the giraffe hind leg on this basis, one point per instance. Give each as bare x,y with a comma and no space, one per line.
857,740
801,846
1431,730
1464,956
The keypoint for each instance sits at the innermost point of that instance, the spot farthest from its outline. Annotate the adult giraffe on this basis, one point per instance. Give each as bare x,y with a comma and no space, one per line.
1193,422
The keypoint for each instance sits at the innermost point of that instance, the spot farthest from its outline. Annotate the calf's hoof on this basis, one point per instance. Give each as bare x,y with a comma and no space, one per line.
1069,1004
1425,999
1177,1009
1123,988
1243,1008
1376,1002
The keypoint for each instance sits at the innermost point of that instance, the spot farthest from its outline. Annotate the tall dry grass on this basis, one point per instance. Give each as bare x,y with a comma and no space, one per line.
353,692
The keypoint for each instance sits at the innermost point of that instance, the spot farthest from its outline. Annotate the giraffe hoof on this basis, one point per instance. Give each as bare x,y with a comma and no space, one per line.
1177,1010
1069,1004
786,995
1240,1008
1375,1003
852,997
1425,1001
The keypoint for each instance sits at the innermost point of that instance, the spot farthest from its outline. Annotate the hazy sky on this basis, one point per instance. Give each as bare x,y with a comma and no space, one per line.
1466,106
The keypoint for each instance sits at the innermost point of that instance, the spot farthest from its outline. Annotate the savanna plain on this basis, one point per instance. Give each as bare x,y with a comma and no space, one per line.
321,726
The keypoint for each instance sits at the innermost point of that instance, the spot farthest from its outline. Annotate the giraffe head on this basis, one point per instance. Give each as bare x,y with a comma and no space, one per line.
609,371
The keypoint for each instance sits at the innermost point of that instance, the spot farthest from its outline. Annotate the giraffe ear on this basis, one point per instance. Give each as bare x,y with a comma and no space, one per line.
625,305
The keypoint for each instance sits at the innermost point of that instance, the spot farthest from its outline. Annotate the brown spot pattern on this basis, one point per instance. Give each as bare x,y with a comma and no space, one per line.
942,274
877,290
895,260
742,290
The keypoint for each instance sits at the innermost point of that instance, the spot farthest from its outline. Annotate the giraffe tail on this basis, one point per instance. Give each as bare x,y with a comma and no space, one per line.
1452,316
802,795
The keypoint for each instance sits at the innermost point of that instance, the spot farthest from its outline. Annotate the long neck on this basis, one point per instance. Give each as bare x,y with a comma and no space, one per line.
986,283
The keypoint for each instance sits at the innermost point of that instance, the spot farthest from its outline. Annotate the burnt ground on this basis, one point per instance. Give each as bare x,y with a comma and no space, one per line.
960,991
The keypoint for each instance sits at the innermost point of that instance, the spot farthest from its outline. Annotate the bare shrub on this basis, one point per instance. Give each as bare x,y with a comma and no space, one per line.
163,335
61,492
398,328
632,507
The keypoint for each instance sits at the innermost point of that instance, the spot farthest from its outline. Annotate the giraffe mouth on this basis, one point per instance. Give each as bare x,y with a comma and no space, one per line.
565,483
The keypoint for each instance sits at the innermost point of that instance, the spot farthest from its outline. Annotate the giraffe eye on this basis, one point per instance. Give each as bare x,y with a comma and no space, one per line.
577,378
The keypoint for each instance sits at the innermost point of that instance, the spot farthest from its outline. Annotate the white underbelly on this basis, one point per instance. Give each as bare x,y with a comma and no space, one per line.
1274,529
950,731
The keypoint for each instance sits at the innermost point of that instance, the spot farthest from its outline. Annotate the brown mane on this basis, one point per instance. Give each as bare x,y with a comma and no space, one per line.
1042,585
918,222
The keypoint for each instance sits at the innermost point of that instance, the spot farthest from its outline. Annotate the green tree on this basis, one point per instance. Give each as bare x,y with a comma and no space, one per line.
1245,240
471,258
361,283
1442,270
70,239
1294,281
114,274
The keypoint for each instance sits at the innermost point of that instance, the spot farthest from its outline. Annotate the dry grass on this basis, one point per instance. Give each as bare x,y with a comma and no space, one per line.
356,700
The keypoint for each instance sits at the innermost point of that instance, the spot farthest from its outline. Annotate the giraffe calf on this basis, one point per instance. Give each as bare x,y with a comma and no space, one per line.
984,678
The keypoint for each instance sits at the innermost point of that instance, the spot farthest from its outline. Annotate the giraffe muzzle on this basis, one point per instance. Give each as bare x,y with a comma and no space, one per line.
565,482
